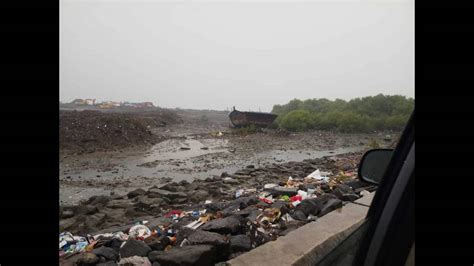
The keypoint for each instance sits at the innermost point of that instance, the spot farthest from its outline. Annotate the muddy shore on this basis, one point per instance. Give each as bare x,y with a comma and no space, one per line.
203,160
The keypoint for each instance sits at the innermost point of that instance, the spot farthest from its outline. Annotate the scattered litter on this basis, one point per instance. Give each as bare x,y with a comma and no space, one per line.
239,193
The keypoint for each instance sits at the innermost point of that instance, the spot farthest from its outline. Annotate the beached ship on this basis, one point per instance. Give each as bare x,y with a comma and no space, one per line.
243,119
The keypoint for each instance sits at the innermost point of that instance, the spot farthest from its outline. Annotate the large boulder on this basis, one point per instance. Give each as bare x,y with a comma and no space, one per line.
134,248
227,225
186,256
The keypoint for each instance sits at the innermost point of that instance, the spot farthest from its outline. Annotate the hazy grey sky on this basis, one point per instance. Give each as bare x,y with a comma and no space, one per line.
210,55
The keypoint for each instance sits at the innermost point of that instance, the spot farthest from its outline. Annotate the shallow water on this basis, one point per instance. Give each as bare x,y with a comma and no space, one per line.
166,159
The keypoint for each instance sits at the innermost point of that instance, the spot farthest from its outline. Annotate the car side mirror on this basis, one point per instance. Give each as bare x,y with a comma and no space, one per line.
373,165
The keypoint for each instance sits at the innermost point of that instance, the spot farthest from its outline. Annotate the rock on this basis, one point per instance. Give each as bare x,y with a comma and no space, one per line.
118,204
114,244
106,252
173,187
87,258
280,191
215,206
247,201
331,205
227,225
299,215
134,193
183,233
98,200
146,203
198,196
85,209
207,238
225,174
240,243
186,256
134,248
159,193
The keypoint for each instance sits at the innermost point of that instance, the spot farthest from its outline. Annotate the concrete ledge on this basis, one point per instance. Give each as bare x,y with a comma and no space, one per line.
310,243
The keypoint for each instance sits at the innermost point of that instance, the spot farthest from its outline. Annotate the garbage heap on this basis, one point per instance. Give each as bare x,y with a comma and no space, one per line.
213,232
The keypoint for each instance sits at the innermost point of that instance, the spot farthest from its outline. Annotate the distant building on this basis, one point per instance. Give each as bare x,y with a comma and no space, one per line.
108,104
90,101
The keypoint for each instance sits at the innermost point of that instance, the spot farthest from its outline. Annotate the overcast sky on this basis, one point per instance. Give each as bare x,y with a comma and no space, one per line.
210,55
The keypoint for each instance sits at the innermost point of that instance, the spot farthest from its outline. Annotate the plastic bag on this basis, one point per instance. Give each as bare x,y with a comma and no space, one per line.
139,231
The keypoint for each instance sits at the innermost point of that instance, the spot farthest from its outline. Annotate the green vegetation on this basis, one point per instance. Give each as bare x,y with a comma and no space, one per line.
373,113
243,131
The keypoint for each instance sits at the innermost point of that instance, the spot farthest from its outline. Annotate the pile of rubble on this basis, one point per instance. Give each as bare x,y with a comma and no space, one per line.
210,231
88,131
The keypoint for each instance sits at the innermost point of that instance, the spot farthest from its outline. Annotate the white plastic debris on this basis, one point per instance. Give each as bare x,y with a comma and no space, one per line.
194,225
318,176
207,201
271,185
303,194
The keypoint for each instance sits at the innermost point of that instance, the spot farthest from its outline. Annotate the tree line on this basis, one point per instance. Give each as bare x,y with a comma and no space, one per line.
367,114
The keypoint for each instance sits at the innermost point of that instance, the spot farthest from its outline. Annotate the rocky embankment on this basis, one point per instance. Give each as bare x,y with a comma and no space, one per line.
206,221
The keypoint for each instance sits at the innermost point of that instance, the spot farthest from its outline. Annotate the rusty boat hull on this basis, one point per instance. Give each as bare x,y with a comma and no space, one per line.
243,119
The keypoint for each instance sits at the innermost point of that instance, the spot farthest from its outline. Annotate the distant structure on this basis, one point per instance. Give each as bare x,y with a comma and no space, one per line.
138,105
242,119
84,102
